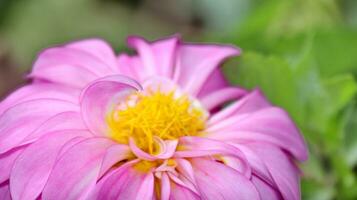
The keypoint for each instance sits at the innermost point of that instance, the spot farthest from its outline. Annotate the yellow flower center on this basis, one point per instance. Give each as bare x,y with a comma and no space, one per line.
155,114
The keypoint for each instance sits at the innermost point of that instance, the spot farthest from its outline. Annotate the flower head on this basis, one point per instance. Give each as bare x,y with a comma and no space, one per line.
93,125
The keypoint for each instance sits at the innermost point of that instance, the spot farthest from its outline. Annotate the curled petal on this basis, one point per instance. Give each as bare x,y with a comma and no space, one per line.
167,149
99,98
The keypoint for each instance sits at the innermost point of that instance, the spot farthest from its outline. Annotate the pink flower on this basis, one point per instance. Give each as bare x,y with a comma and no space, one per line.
147,126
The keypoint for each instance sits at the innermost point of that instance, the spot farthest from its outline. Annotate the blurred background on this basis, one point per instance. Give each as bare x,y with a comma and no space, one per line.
301,53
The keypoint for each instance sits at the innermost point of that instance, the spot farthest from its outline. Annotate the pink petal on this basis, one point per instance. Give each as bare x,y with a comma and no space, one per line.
257,164
196,63
167,149
5,191
99,49
100,97
7,161
215,81
130,66
77,171
62,121
19,121
216,181
251,102
69,66
160,83
271,125
198,147
265,190
158,58
281,168
114,155
221,96
179,192
125,183
165,187
184,167
32,168
68,75
39,91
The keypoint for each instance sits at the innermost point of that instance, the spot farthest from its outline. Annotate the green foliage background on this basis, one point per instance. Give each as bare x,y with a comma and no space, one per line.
301,53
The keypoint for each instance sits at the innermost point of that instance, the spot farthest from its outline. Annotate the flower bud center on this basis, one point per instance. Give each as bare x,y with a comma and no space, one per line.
144,116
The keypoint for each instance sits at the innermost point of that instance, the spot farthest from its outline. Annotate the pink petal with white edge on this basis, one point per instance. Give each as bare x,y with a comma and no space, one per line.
199,147
7,161
99,49
69,66
5,191
196,63
282,169
253,101
221,96
218,182
100,97
19,121
125,183
77,171
271,125
167,149
157,58
33,167
39,91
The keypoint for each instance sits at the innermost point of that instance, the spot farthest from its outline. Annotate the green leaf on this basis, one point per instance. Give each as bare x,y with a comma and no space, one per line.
271,74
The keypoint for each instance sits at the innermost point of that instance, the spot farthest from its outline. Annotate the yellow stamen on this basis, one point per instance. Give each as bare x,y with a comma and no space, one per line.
145,166
144,116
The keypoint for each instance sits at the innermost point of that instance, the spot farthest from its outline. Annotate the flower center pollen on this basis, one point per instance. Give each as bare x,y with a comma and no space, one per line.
143,117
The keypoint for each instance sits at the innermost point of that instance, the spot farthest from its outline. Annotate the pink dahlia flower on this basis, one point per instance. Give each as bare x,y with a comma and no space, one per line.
152,125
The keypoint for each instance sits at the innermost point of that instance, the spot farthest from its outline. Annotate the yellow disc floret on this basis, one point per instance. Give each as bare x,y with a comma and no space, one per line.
155,114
